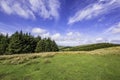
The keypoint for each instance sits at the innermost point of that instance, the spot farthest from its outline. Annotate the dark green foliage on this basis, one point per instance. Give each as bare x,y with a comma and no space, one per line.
4,41
29,43
54,46
15,45
37,39
46,45
23,43
90,47
20,42
40,46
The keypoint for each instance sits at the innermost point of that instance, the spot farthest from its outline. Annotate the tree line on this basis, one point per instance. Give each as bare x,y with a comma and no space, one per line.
20,42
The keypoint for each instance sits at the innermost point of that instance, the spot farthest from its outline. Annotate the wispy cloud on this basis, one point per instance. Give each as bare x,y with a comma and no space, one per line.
111,34
114,29
94,10
4,28
47,9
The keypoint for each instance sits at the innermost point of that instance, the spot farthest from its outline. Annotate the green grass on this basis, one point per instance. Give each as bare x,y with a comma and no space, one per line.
62,66
89,47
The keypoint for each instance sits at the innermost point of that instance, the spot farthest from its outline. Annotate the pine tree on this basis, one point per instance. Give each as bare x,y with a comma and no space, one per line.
32,44
54,46
40,46
29,43
15,45
48,47
37,39
21,42
4,40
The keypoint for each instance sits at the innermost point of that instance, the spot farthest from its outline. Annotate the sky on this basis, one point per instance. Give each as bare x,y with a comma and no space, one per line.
68,22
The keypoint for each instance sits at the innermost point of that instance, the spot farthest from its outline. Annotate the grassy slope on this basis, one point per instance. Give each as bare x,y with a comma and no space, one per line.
89,47
65,66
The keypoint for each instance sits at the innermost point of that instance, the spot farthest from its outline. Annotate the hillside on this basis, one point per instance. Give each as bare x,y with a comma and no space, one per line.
101,64
89,47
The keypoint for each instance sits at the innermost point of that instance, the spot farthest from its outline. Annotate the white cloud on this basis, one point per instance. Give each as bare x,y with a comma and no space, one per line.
68,43
111,34
38,30
45,35
116,28
100,40
5,7
73,38
93,10
113,29
69,33
56,36
69,39
47,9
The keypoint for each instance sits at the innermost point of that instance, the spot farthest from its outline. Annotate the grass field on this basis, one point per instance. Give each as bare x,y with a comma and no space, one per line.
101,64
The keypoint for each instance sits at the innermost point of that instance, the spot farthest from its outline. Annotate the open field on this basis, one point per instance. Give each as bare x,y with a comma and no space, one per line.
101,64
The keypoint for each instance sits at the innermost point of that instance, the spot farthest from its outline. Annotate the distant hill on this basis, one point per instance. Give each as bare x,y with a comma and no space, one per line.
65,48
89,47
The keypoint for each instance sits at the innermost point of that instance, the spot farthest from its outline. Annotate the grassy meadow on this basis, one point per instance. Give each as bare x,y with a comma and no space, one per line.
100,64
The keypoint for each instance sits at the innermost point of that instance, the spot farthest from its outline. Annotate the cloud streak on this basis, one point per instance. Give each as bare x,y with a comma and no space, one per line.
114,29
47,9
111,34
94,10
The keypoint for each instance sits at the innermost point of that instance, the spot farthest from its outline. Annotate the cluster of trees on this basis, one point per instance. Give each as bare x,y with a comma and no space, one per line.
20,42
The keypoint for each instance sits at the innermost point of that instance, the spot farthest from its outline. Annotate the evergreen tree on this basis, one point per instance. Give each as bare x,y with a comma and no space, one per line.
21,42
4,40
40,46
37,39
15,45
48,43
54,46
29,43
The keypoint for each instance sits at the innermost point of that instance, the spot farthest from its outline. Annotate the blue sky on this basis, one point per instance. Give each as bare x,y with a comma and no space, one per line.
68,22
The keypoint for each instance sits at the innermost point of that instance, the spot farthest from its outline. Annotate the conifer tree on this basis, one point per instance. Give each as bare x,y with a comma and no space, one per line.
29,43
4,40
48,43
54,46
40,46
37,39
21,42
15,45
